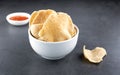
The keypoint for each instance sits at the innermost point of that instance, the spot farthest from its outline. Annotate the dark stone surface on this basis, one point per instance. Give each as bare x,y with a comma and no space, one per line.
99,24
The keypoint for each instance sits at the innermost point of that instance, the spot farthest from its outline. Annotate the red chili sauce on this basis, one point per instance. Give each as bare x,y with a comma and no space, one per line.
18,18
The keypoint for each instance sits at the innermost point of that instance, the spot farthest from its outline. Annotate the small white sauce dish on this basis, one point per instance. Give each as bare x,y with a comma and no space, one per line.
18,23
53,50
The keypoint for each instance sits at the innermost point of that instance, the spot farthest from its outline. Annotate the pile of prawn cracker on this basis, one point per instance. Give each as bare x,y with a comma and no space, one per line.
94,56
51,26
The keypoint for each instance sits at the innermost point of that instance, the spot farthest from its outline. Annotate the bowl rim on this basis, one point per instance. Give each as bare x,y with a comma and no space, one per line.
16,13
77,34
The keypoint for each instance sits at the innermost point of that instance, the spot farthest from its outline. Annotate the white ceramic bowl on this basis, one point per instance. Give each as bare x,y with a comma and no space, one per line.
53,50
18,23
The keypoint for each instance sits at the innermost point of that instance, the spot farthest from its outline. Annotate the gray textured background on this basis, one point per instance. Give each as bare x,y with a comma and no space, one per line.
99,24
